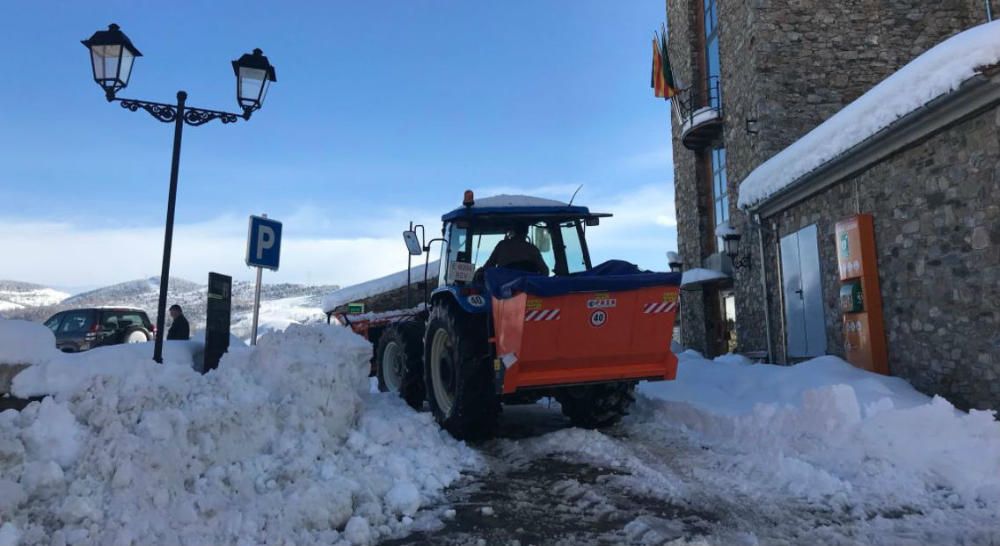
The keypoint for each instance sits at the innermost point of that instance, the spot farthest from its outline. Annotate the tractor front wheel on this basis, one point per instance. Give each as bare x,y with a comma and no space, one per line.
457,374
400,366
596,406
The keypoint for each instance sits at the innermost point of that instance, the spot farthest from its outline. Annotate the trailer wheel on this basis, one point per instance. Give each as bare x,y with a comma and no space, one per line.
399,357
458,376
596,406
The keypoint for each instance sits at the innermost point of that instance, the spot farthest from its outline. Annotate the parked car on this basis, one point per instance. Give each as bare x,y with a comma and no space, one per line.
83,329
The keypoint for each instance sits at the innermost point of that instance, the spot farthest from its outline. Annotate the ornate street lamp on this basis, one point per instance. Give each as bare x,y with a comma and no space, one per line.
111,56
253,76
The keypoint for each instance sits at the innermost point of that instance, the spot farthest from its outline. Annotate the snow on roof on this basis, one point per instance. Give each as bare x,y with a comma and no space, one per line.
367,289
504,200
699,275
936,72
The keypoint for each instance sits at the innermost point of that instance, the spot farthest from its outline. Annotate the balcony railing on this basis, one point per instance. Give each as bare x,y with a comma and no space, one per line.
701,115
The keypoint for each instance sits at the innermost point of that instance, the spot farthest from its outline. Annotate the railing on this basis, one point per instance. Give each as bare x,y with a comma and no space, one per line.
700,113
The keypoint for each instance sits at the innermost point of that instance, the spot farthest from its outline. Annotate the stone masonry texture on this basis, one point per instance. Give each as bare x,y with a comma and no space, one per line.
786,67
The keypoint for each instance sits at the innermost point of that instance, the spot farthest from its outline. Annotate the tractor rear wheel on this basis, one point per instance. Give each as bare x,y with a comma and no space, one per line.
457,374
399,357
596,406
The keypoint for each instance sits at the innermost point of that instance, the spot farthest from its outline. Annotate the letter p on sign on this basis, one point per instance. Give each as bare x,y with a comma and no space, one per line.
264,243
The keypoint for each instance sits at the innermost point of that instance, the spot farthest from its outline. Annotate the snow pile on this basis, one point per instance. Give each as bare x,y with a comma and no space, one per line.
278,315
350,294
23,342
825,430
938,71
54,372
280,445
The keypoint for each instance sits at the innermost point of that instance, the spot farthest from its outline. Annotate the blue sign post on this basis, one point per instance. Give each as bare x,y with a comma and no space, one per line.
263,252
264,243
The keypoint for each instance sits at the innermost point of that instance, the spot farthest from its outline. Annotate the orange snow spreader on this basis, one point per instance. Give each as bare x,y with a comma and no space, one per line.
579,337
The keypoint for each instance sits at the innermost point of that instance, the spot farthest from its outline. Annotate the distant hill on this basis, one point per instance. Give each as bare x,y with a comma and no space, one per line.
16,295
280,303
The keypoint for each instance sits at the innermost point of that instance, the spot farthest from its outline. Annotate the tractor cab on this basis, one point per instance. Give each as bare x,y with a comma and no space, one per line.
534,235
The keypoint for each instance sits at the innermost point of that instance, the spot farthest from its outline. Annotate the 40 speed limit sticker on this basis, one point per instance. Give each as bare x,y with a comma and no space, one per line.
598,318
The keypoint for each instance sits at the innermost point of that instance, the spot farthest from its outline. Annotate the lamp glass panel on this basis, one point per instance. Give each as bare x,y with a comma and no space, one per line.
126,66
105,59
251,85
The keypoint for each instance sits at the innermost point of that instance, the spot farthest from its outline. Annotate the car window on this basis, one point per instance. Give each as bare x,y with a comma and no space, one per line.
110,321
127,320
76,321
53,323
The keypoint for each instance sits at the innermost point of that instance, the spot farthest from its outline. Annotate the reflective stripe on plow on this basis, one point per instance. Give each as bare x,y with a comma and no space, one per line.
538,315
664,307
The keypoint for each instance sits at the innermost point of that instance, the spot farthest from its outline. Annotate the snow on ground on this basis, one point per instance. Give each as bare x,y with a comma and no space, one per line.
887,460
350,294
817,453
278,315
936,72
281,444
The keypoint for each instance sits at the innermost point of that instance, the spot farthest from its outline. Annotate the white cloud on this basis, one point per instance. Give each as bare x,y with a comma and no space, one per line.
70,255
318,247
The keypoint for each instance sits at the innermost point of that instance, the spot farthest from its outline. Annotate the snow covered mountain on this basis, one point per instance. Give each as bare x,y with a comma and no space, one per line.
20,295
281,304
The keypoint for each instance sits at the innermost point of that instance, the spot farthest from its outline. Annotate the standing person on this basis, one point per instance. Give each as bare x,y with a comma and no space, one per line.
179,328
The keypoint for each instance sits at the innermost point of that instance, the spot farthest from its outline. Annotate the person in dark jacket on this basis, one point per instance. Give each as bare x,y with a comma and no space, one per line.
179,328
515,250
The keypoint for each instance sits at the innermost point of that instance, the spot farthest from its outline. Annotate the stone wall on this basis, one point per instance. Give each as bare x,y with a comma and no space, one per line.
688,198
936,208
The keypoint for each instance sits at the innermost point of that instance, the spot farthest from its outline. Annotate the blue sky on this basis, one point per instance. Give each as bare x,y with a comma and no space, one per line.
383,111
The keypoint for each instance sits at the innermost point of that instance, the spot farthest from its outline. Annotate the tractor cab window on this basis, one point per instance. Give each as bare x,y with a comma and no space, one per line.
457,238
576,258
486,239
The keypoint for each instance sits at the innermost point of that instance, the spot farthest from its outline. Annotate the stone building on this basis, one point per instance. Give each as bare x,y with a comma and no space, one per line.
763,81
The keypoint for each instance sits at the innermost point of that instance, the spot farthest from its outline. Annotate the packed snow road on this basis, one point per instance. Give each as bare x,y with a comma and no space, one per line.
837,456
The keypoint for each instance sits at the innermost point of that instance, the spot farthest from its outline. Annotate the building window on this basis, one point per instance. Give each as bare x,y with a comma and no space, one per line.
720,189
712,68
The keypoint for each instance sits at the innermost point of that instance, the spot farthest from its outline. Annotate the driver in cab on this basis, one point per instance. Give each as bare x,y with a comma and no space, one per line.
517,252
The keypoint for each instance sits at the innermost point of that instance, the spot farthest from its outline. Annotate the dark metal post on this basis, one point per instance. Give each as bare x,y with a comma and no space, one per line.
168,235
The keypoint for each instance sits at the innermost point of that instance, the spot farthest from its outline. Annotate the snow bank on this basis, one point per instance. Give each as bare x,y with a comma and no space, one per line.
825,430
938,71
58,373
280,445
23,342
367,289
278,315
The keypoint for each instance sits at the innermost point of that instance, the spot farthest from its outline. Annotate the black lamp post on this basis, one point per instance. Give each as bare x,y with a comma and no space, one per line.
111,56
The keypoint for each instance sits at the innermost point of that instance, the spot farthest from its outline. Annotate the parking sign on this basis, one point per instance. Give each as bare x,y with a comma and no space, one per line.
264,243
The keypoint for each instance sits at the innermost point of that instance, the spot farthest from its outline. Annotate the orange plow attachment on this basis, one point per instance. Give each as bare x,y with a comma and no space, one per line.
587,337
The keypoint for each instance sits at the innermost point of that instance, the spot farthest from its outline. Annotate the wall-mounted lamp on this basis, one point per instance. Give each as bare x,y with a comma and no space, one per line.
731,242
674,261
